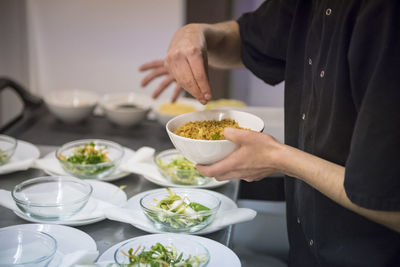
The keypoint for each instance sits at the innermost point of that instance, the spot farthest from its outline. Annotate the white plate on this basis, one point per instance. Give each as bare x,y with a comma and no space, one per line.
133,204
68,239
220,255
102,191
117,174
24,152
160,180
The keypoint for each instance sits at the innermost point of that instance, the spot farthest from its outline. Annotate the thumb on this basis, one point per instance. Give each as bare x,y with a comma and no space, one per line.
236,135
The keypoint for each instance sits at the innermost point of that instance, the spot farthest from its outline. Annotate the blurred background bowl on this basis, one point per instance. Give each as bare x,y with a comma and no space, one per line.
224,103
177,169
126,108
51,198
164,110
188,247
209,151
70,105
8,145
168,221
26,248
114,152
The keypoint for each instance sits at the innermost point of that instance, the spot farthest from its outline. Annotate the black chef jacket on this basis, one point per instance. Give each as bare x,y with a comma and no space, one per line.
340,60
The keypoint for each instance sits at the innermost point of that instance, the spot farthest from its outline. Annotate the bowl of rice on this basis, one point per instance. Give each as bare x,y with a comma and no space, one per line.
199,136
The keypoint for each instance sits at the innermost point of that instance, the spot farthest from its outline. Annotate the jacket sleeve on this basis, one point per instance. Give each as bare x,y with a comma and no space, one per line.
372,177
264,35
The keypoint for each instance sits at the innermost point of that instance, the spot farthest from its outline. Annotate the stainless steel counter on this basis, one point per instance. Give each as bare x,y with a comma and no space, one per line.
107,233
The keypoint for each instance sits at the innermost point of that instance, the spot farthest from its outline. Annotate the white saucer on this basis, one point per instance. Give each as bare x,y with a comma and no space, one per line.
162,181
102,191
220,255
117,174
68,239
133,204
24,152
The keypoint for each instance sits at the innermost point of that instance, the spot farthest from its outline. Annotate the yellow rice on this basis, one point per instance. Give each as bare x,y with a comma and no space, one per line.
206,130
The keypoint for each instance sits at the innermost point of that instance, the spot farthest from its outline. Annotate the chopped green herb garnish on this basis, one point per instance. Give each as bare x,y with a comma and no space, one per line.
216,136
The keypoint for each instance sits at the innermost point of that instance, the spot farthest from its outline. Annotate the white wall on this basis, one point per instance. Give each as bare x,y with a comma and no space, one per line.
98,44
13,54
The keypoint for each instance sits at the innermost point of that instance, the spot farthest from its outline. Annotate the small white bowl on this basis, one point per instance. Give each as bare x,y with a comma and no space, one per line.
163,118
210,151
125,108
70,105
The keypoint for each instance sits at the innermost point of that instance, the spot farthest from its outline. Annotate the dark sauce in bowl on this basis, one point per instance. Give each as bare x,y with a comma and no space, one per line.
126,106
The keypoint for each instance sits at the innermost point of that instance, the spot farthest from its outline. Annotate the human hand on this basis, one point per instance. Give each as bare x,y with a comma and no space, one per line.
187,62
253,160
158,69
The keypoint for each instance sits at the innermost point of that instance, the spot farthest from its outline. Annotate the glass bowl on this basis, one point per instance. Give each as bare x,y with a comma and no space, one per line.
189,248
188,221
26,248
177,169
87,170
52,198
8,145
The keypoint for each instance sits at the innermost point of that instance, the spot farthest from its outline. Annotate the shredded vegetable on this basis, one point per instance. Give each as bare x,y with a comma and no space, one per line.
180,170
179,212
162,256
87,155
3,157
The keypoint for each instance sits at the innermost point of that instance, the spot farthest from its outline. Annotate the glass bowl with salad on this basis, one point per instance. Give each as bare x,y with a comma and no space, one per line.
90,159
8,145
162,250
180,210
177,169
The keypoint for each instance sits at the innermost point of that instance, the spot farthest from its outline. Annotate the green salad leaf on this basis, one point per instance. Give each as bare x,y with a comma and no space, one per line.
162,256
178,212
86,158
3,157
181,170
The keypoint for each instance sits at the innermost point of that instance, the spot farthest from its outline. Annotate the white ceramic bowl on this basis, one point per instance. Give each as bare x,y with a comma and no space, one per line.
163,118
125,108
210,151
70,105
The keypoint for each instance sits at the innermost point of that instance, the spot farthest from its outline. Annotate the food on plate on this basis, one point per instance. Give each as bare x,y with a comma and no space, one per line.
206,130
3,157
162,256
88,154
176,108
177,205
180,170
214,104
